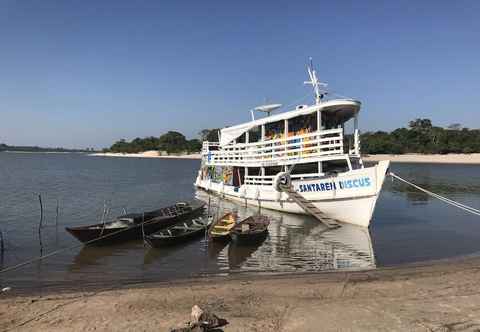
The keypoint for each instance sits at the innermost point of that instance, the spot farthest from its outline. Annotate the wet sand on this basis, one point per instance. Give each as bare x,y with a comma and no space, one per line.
437,296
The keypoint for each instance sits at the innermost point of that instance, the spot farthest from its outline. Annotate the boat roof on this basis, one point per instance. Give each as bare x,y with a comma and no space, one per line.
345,107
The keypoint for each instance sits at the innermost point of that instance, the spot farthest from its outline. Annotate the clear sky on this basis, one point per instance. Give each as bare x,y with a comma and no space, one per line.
86,73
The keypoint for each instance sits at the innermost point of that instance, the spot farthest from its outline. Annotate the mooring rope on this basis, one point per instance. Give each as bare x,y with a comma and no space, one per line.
442,198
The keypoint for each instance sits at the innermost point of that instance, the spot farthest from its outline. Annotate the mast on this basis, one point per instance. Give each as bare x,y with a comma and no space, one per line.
318,87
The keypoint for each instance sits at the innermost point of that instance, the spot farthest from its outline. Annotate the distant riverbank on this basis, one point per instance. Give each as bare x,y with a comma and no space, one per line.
473,158
146,154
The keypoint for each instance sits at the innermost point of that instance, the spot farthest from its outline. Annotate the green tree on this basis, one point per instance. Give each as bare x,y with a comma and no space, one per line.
173,142
210,135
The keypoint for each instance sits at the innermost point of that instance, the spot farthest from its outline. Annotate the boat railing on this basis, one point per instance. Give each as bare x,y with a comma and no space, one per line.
267,180
208,146
311,145
259,180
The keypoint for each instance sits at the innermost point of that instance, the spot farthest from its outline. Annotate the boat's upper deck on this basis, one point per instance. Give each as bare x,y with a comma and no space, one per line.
307,134
336,112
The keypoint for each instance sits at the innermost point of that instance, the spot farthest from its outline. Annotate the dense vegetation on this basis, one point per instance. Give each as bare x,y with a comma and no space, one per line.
419,137
422,137
5,147
171,142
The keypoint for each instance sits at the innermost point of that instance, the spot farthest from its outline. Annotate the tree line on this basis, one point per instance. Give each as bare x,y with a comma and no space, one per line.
5,147
170,142
422,137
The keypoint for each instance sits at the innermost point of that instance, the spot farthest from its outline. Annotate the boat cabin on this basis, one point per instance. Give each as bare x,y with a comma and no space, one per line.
310,141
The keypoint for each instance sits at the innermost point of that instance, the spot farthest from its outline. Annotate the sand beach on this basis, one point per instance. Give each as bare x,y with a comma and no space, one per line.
435,296
146,154
473,158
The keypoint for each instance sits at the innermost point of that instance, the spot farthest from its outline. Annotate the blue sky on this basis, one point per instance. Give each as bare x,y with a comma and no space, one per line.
87,73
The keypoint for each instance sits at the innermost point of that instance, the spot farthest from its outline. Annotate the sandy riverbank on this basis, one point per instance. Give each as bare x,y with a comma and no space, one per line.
146,154
473,158
441,296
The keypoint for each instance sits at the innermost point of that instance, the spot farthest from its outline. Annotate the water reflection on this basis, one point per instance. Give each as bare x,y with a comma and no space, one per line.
295,243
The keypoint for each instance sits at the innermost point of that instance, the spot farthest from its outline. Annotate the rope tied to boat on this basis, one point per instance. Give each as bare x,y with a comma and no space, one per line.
437,196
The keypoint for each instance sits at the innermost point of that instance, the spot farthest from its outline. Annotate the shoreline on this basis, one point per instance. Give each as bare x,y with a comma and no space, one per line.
417,296
48,152
473,159
146,154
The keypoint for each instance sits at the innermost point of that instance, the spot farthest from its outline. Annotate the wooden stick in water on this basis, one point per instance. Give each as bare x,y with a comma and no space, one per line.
143,231
2,246
41,212
56,215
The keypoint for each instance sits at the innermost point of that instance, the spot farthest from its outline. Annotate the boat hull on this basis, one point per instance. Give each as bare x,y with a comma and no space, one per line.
115,235
349,197
156,242
250,238
104,236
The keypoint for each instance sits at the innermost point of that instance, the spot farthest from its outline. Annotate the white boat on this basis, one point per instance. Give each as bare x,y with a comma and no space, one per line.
310,143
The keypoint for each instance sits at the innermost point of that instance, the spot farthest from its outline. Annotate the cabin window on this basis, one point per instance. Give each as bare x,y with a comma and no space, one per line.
355,162
254,171
274,170
330,120
275,130
334,118
335,166
308,168
238,176
254,134
241,138
302,124
216,174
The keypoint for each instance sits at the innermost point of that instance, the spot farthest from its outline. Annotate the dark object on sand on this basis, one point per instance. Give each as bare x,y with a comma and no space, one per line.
180,232
129,226
251,230
202,320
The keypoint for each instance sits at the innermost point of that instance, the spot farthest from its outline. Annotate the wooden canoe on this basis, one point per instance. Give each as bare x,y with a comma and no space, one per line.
180,232
251,230
220,228
129,227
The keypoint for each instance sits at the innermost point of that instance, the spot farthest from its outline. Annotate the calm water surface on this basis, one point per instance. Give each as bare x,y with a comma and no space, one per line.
408,226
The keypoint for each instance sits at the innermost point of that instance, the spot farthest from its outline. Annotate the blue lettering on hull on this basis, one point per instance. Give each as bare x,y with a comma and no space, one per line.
342,184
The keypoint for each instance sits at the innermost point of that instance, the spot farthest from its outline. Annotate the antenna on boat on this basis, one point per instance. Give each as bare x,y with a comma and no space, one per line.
318,87
267,109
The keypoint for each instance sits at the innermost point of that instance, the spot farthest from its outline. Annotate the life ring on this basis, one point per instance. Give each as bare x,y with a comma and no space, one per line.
282,180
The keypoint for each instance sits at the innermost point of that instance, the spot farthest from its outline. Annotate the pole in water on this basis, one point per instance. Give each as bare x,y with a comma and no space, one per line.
208,210
56,215
2,246
104,214
41,212
143,230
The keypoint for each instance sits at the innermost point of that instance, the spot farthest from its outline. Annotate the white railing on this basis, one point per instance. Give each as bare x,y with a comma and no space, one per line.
323,143
267,180
259,180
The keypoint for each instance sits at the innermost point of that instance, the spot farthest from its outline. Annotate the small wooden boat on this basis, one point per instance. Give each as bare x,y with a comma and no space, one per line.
251,230
220,229
180,232
129,226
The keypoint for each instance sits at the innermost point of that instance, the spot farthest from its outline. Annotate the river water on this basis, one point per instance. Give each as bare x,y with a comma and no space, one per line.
408,226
